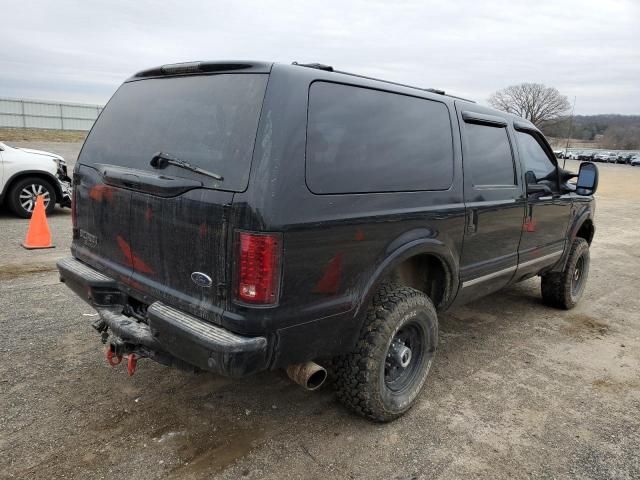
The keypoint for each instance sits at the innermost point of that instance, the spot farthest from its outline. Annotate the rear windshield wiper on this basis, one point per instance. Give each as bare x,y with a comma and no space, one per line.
160,160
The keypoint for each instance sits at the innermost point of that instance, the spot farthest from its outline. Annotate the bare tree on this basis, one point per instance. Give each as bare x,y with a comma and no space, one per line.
533,101
622,137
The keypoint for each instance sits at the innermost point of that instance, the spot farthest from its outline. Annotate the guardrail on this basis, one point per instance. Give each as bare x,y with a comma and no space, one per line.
22,113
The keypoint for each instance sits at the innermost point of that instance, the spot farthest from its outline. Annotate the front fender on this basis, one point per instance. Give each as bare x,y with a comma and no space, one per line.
27,173
585,212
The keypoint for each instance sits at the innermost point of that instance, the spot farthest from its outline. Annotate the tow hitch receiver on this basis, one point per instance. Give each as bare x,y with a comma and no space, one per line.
113,359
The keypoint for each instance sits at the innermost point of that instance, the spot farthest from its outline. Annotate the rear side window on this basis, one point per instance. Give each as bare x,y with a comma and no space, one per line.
362,140
487,155
209,121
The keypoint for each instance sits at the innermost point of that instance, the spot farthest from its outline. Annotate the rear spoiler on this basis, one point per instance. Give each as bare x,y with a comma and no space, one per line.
188,68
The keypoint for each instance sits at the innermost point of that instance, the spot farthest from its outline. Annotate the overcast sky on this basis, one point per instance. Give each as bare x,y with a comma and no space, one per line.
82,50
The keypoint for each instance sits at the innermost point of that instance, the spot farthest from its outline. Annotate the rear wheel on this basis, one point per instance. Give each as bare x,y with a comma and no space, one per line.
564,289
23,194
383,377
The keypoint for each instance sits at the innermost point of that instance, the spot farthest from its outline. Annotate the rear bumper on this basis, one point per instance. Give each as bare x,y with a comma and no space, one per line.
167,332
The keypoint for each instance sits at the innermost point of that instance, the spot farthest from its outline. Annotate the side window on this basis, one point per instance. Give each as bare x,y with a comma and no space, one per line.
534,157
362,140
488,156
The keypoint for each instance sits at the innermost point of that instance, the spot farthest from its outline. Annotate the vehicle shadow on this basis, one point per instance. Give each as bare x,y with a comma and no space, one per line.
199,424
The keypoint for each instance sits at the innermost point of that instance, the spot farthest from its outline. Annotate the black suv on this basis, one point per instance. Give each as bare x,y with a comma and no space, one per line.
242,216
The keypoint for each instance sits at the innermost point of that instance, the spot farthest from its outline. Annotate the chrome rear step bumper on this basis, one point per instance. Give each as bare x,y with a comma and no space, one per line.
166,329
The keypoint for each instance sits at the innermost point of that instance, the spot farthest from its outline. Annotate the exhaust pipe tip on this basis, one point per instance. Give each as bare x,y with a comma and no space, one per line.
308,375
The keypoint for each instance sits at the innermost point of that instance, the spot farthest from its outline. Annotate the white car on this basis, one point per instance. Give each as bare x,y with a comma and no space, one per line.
635,160
609,157
27,173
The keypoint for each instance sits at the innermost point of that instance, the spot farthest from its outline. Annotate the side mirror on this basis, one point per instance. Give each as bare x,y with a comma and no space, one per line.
587,179
533,187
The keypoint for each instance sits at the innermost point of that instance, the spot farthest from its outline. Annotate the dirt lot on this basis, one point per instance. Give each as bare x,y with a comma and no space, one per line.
30,135
517,390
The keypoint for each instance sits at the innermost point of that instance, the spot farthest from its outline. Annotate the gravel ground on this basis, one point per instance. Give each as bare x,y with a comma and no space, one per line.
517,390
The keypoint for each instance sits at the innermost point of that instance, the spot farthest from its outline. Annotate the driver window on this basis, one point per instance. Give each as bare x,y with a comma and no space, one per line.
536,160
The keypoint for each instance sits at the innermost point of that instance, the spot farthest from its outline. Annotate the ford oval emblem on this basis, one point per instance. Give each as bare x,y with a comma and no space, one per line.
201,279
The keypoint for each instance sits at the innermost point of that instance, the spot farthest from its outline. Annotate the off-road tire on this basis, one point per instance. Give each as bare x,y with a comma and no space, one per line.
360,375
13,198
558,288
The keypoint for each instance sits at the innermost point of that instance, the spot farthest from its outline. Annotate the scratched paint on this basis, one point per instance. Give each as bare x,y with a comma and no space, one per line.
131,259
330,281
101,192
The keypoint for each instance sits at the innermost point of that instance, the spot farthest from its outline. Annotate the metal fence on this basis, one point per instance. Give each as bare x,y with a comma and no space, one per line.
18,113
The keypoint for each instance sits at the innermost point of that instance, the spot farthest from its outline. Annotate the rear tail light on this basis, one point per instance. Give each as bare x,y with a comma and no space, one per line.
257,277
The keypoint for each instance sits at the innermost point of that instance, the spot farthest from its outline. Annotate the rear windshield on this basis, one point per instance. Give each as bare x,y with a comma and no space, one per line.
209,121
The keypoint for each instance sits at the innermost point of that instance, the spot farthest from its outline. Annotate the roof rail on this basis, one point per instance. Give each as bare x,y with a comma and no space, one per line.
329,68
318,66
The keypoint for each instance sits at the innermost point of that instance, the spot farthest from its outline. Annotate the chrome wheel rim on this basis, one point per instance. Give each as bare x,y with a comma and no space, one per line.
30,193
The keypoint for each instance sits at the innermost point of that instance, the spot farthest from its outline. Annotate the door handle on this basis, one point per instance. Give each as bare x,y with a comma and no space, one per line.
529,224
472,220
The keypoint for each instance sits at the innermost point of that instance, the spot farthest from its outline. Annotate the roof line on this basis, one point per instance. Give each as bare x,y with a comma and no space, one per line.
329,68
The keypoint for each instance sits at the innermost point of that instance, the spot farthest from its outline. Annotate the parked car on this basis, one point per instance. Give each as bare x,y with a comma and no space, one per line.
624,157
292,215
586,156
635,160
574,155
609,157
26,173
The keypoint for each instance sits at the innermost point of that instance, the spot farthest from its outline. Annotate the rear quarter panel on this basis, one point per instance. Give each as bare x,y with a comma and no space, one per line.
333,244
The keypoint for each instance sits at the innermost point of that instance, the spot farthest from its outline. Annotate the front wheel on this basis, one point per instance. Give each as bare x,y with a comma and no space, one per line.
382,378
564,289
22,196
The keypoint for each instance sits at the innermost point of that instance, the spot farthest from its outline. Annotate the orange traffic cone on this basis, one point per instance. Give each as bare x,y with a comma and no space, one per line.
38,235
